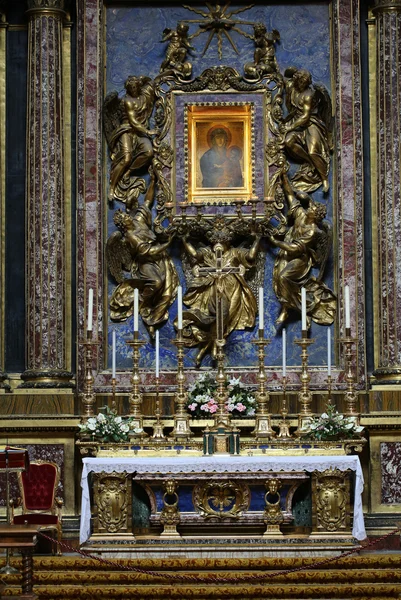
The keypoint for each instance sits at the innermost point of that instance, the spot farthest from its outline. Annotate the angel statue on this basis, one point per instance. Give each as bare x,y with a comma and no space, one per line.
134,249
177,50
219,279
265,61
126,126
306,245
308,129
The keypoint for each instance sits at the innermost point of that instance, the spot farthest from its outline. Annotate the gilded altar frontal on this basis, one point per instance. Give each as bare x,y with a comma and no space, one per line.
200,343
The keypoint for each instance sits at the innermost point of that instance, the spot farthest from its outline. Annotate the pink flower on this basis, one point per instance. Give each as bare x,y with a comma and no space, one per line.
240,407
192,406
213,408
204,407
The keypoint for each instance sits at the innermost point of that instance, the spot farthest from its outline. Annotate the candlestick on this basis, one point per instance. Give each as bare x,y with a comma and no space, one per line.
304,395
284,343
136,309
347,308
135,396
158,435
113,355
303,308
181,431
261,309
263,430
328,352
284,427
157,353
179,300
90,310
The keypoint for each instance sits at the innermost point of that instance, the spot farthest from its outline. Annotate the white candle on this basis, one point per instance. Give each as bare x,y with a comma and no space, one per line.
157,352
284,342
303,308
113,355
347,308
328,352
261,311
179,299
136,309
90,310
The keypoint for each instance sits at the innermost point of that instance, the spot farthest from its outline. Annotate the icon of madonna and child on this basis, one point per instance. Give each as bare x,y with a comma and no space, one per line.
221,164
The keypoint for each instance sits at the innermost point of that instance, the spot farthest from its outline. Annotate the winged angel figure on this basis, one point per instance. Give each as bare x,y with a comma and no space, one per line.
134,249
306,245
126,127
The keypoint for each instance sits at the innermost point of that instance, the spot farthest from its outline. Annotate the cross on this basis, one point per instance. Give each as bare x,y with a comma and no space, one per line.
218,272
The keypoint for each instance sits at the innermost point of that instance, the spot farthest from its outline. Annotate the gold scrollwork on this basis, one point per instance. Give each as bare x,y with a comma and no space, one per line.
112,500
331,498
228,499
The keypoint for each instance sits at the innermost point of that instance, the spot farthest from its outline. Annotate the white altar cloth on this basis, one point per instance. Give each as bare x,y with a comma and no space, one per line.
221,464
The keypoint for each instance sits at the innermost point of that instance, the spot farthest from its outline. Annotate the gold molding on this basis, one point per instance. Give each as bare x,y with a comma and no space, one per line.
3,50
387,7
66,95
375,473
372,66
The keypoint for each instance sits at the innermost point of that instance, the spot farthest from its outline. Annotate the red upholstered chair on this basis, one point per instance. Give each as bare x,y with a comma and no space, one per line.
38,486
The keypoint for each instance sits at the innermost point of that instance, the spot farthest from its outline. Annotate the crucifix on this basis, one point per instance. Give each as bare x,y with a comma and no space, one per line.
219,270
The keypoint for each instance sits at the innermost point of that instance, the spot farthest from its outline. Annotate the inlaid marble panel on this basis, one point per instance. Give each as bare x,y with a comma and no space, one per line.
390,460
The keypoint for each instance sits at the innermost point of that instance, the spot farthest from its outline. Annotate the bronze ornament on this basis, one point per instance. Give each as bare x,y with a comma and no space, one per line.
226,500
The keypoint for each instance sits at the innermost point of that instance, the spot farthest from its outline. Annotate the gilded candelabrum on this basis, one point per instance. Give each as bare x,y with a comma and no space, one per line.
351,396
222,417
113,394
263,429
158,435
88,397
135,397
284,427
181,431
304,395
329,390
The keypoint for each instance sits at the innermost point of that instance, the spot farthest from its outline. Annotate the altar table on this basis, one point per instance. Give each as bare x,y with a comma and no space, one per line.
221,464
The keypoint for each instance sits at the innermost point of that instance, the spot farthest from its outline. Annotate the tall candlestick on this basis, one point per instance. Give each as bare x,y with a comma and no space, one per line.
261,309
328,352
303,308
284,342
136,309
347,308
157,344
179,300
113,355
90,310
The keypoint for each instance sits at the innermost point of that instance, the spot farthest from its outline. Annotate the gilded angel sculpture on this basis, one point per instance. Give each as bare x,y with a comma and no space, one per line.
306,245
134,249
308,129
177,50
265,61
126,126
213,282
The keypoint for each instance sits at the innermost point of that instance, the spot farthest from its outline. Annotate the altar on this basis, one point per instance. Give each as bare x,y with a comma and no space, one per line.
241,477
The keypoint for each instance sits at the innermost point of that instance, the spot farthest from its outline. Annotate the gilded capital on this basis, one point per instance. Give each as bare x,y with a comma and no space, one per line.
55,7
385,6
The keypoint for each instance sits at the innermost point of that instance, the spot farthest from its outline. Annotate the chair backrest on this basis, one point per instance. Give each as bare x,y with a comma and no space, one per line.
38,485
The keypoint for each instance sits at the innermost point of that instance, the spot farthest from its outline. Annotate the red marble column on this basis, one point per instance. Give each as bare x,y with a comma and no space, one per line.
388,96
46,255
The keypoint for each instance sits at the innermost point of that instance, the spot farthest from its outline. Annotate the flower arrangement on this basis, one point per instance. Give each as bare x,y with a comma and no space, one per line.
331,425
203,404
108,427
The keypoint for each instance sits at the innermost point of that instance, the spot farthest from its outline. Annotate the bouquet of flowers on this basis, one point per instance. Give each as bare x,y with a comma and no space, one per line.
108,427
202,402
331,425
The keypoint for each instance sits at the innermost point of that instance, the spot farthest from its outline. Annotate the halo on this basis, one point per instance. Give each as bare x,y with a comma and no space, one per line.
226,129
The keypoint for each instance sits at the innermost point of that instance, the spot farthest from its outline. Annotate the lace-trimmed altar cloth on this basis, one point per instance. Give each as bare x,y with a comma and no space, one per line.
221,464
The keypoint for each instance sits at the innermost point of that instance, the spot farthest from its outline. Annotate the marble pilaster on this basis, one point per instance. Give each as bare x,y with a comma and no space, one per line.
388,270
3,32
47,259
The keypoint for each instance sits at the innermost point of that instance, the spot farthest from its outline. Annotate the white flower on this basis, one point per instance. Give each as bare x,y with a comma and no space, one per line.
101,417
124,428
137,430
324,416
235,382
91,426
251,412
118,419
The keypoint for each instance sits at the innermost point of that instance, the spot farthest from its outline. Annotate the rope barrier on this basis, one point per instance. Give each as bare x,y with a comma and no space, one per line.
216,578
